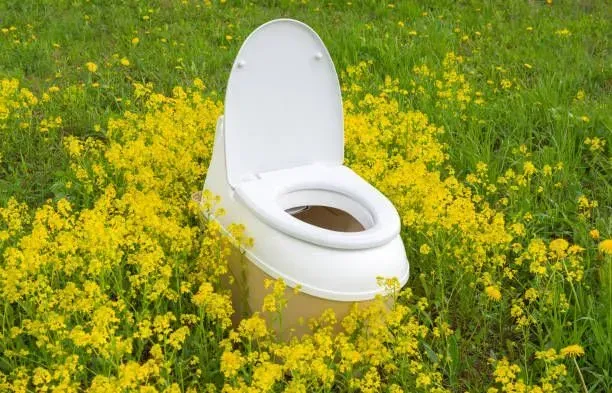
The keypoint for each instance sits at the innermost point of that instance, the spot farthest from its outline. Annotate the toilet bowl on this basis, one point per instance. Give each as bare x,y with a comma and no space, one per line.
277,167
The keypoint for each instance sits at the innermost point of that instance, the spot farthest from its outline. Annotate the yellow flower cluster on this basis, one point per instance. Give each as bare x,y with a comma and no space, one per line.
507,377
363,355
119,286
15,103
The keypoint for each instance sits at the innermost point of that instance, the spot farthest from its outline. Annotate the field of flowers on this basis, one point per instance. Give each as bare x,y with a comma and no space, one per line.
487,125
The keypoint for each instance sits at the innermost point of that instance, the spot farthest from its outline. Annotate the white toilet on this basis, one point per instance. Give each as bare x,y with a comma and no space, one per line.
277,166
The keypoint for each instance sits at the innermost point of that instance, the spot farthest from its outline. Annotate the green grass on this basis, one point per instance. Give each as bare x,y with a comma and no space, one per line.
518,41
196,46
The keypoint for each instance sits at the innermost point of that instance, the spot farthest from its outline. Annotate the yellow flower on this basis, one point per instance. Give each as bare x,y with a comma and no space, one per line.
559,246
253,327
177,338
135,41
605,247
394,388
493,293
528,168
571,351
41,376
197,82
124,62
563,32
549,355
595,144
231,362
73,145
423,380
531,294
91,67
265,376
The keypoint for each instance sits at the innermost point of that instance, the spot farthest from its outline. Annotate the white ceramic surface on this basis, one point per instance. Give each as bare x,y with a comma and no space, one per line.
280,147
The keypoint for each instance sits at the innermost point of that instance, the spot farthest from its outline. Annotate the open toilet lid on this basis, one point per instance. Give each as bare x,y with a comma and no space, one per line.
283,106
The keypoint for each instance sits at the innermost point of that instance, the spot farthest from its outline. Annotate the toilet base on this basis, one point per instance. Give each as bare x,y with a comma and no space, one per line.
248,293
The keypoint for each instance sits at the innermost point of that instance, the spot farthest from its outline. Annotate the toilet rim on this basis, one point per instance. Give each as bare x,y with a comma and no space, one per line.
367,205
315,194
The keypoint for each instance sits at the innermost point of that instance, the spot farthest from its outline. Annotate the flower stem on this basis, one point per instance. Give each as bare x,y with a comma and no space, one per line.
581,377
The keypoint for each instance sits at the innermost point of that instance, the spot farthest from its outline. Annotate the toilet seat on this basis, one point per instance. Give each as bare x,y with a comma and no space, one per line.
332,186
284,138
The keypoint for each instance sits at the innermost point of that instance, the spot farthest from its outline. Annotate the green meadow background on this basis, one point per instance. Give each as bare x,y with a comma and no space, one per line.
543,68
181,41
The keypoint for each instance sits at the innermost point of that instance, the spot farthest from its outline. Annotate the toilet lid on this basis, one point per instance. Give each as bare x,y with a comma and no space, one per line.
283,106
